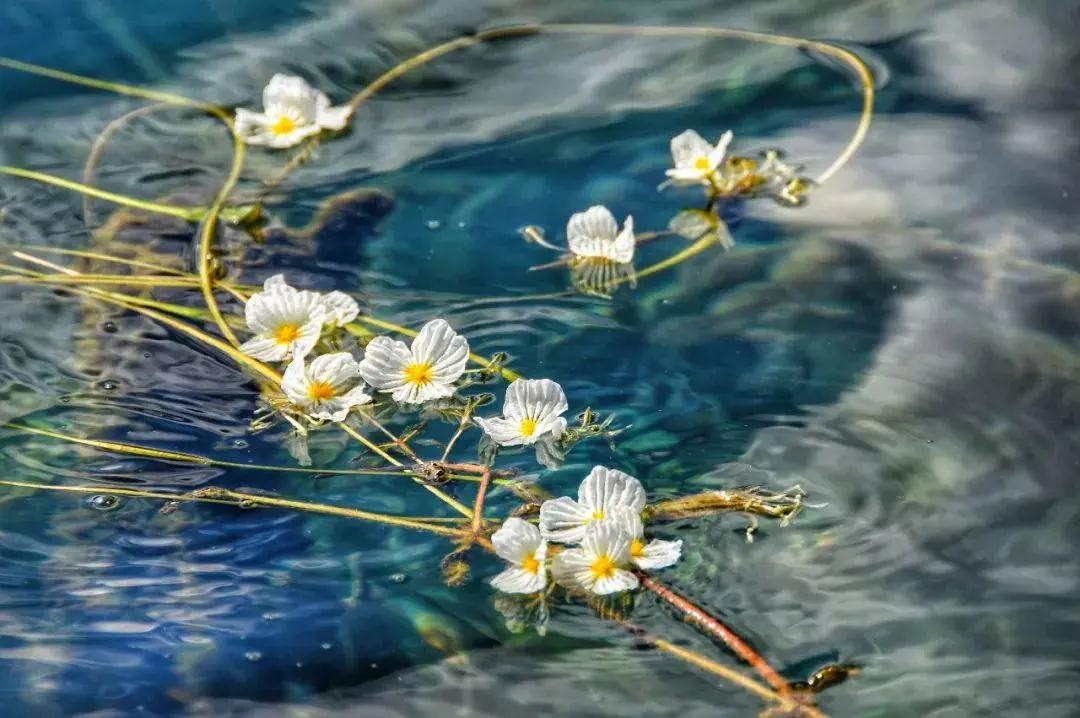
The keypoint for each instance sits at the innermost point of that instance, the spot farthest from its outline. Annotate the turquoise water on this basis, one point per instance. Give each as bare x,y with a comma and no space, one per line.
903,347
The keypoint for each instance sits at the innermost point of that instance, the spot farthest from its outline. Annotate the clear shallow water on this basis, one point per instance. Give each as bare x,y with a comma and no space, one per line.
904,347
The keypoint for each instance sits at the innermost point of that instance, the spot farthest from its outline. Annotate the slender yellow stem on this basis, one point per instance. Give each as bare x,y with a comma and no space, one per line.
234,498
190,214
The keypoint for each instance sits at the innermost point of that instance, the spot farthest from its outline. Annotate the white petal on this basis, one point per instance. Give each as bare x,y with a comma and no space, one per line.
264,349
687,176
516,539
659,554
331,118
621,580
570,568
265,312
439,345
383,363
340,308
286,94
289,139
687,147
294,382
338,370
515,580
505,432
629,520
716,155
596,222
605,538
277,283
692,223
604,490
622,249
564,520
249,124
338,408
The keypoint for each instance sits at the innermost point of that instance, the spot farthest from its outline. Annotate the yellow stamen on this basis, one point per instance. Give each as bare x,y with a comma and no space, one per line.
419,374
598,515
528,426
283,126
702,163
529,564
287,333
602,567
637,548
321,390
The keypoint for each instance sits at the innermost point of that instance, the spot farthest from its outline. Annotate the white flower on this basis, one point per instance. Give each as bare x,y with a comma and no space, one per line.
340,308
286,322
603,492
426,370
519,543
695,159
327,388
531,412
645,555
594,233
292,111
600,565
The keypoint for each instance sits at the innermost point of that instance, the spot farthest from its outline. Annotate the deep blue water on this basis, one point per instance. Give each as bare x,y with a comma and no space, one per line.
903,347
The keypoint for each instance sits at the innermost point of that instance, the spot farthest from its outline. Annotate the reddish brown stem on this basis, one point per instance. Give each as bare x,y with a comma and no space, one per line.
481,494
694,614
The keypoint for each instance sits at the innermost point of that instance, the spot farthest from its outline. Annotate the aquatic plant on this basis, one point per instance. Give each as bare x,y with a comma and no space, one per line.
319,365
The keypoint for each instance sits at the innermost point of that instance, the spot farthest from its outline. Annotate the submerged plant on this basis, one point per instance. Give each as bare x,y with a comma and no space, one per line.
316,361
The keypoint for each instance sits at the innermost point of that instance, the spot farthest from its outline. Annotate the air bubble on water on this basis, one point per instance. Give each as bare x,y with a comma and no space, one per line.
109,385
271,616
397,577
239,444
253,656
103,502
433,224
109,327
325,646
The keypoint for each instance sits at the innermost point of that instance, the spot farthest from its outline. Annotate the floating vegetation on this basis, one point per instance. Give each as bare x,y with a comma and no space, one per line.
321,364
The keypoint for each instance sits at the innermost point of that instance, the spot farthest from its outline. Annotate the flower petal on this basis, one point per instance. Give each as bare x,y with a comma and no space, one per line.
249,124
330,118
277,283
605,490
384,361
716,154
564,520
294,382
620,580
288,94
596,222
622,249
570,568
505,432
446,350
516,539
338,370
659,554
340,308
687,147
264,349
606,538
516,580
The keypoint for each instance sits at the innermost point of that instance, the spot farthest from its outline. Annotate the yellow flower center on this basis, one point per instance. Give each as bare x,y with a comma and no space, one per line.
529,564
598,515
287,333
528,426
602,567
637,548
419,374
321,390
702,163
283,126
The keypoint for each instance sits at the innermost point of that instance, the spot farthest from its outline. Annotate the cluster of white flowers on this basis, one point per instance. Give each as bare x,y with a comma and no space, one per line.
292,111
288,323
604,532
